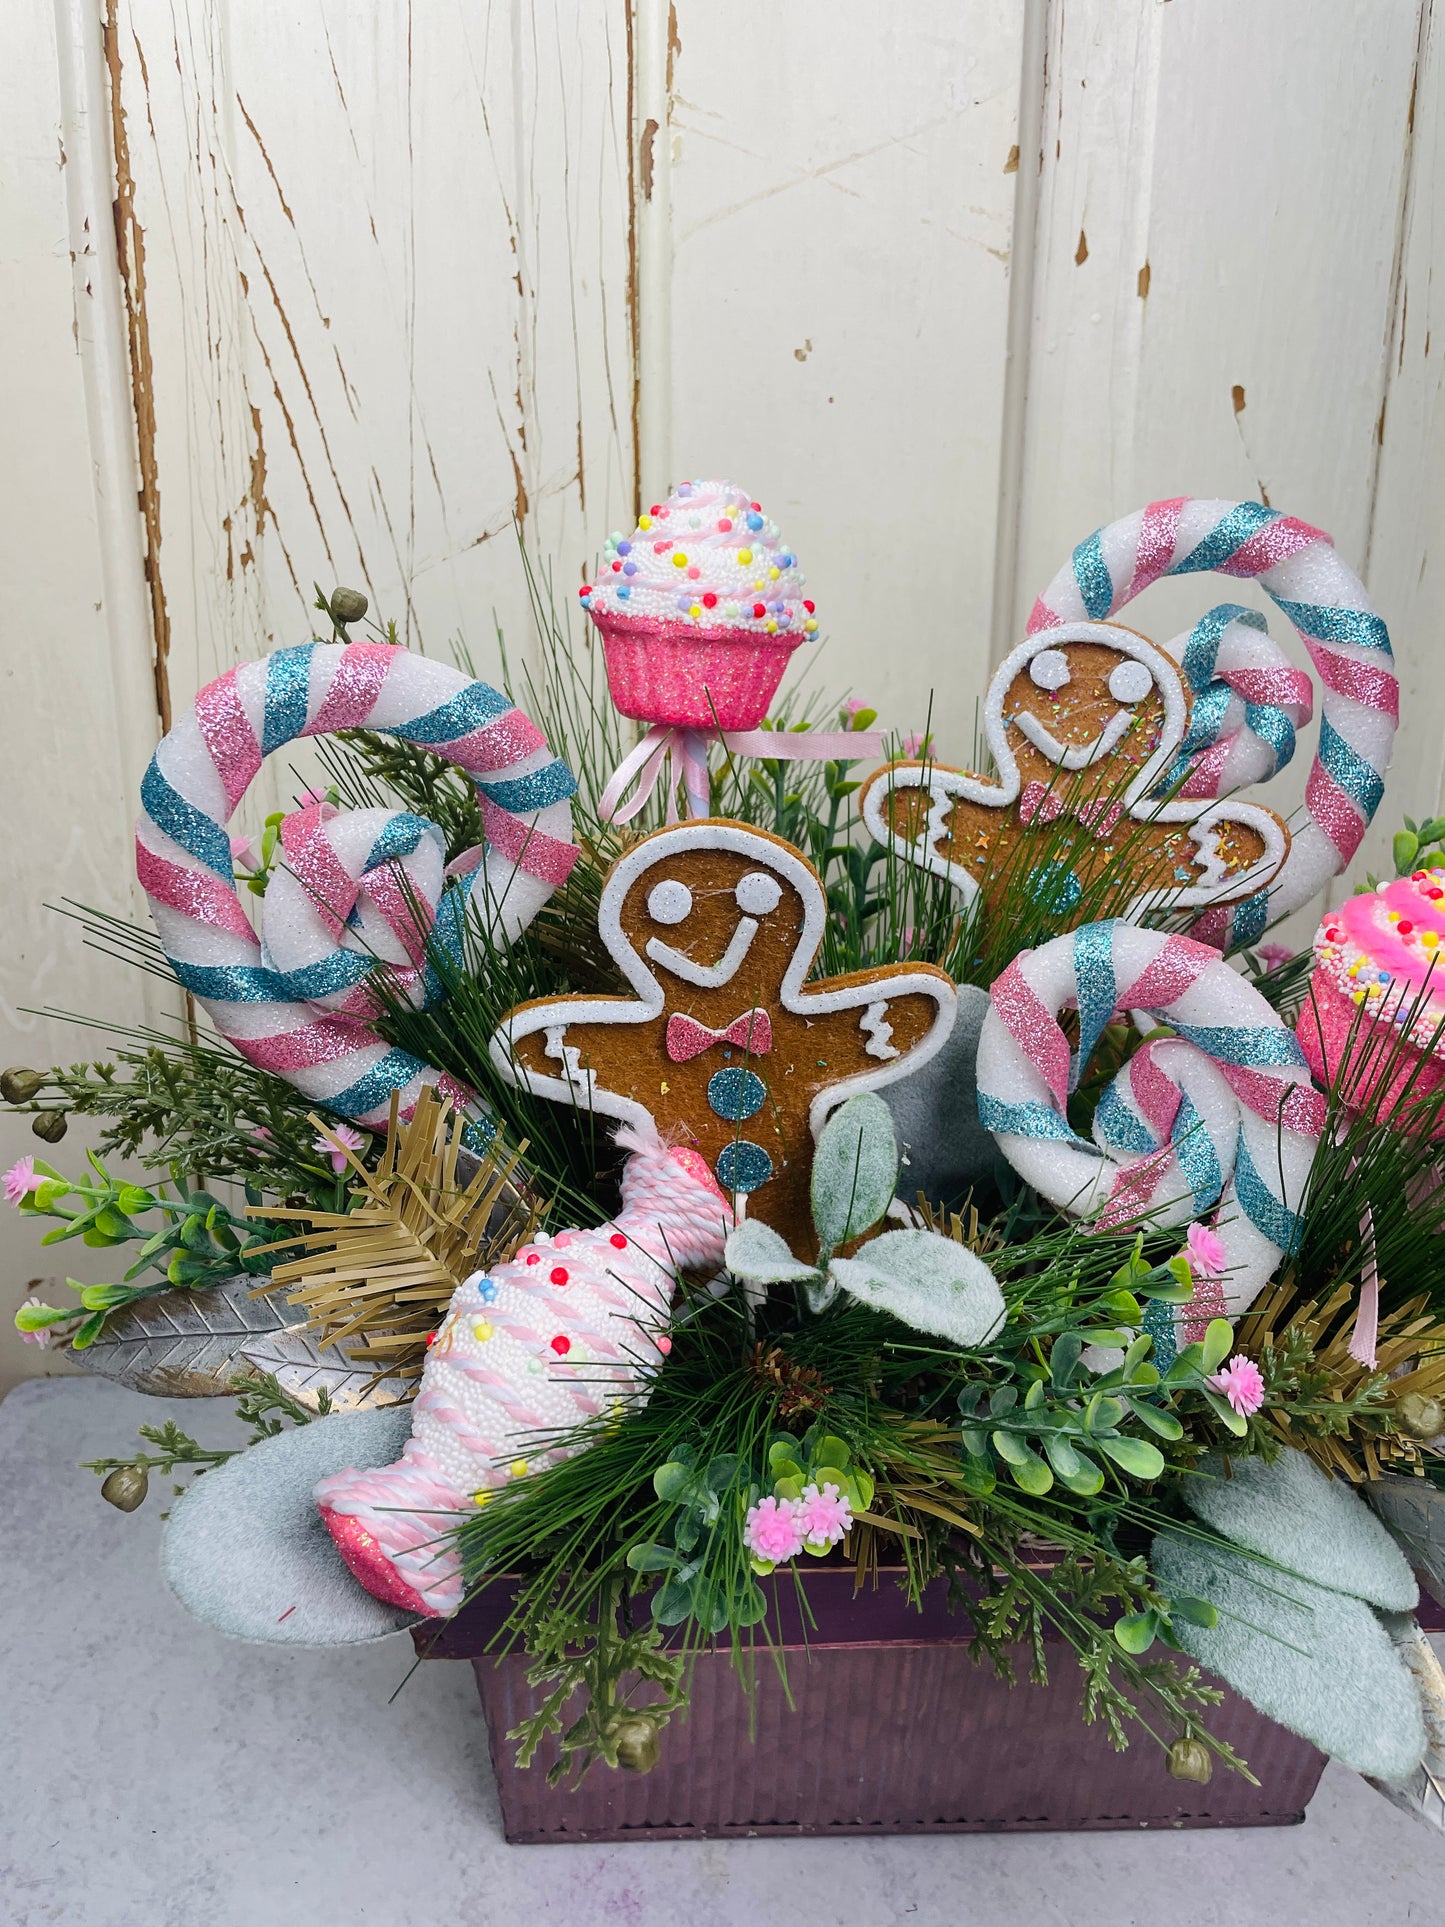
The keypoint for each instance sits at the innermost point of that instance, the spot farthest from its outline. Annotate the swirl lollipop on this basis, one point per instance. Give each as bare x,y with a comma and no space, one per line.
356,894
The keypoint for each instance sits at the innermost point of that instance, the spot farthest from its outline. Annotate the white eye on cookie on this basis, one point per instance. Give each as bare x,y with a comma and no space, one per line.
1130,682
1049,669
758,893
669,901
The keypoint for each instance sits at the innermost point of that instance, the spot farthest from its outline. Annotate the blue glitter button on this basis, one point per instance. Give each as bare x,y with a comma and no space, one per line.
1053,887
743,1166
735,1093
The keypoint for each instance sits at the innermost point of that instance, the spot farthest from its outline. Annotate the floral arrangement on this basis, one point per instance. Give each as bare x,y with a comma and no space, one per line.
983,1223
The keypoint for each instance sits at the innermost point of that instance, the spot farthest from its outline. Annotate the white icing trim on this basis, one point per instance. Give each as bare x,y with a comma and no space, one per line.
1071,756
880,1032
768,853
706,976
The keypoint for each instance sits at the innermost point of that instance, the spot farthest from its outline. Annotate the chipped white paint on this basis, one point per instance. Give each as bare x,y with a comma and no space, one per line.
413,272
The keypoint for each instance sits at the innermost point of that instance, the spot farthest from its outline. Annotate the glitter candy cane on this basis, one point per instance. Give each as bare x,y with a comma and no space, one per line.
1221,1117
354,893
1248,701
571,1327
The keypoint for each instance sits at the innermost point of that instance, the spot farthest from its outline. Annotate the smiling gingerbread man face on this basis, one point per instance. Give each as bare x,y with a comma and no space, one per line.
725,1048
1086,724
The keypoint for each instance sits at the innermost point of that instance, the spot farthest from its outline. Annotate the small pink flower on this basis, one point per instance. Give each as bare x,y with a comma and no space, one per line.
771,1530
264,1136
343,1134
823,1517
244,854
1240,1382
20,1180
913,745
1206,1251
1272,955
48,1335
854,705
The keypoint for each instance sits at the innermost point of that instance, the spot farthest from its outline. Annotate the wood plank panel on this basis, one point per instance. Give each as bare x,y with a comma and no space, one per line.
1215,269
841,219
386,287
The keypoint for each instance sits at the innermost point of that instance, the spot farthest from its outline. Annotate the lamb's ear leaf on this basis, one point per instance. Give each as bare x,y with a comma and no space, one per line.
930,1282
855,1170
760,1256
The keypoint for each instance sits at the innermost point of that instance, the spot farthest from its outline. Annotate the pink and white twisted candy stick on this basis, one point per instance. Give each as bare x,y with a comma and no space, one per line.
572,1326
1247,700
1221,1117
353,893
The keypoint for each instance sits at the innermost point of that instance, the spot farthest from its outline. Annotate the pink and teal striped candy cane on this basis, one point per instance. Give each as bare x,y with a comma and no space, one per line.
1248,701
352,892
1219,1118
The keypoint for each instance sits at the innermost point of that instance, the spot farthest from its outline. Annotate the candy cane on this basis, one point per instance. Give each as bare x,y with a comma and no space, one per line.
1248,701
1220,1117
572,1325
354,894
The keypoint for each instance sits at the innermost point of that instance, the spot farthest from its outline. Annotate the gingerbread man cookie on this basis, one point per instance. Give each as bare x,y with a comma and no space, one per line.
1086,724
724,1047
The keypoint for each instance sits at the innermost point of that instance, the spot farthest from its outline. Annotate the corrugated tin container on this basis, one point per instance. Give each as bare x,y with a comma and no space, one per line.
893,1729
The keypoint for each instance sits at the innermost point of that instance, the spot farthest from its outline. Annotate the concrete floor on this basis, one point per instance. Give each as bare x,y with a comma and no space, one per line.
155,1775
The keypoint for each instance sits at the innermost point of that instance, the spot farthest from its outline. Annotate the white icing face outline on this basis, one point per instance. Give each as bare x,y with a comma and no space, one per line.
1130,681
670,901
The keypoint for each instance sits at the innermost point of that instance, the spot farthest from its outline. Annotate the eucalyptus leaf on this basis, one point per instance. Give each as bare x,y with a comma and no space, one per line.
1135,1632
673,1482
652,1558
1162,1424
1135,1456
1218,1337
672,1603
1198,1612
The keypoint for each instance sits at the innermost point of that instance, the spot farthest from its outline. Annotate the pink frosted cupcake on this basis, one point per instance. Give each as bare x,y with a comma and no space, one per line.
700,609
1373,1022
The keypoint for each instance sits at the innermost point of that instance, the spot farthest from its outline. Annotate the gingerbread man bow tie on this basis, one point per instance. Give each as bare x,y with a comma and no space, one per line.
687,1038
1044,805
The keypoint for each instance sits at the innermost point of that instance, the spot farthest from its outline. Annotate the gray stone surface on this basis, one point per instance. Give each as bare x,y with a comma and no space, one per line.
154,1774
935,1113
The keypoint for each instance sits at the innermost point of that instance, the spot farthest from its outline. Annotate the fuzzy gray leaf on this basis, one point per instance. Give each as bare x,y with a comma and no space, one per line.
760,1256
929,1282
191,1344
855,1169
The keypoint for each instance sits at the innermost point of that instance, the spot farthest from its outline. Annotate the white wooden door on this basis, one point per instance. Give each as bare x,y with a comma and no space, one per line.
948,285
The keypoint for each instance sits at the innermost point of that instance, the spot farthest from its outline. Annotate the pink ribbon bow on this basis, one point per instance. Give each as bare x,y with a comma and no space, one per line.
685,753
1096,813
687,1038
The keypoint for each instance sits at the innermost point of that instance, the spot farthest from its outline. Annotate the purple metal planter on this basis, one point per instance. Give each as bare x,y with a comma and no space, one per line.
892,1729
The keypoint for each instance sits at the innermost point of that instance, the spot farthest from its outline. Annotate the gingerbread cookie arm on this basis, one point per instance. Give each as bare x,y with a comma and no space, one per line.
562,1031
908,808
898,1015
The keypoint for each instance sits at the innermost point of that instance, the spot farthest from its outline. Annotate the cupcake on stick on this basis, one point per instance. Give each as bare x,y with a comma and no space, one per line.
700,609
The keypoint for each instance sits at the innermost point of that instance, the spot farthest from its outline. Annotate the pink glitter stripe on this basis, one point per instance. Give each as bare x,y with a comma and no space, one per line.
1211,928
1042,617
196,894
462,1095
1155,1092
229,736
1334,812
326,1041
1206,1305
1133,1190
1298,1106
355,687
316,866
1035,1031
1274,686
1177,964
1207,771
1271,545
1367,684
496,745
539,855
403,911
1158,533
